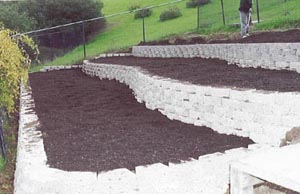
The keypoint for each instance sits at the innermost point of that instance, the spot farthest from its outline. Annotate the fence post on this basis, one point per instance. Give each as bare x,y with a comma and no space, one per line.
64,42
2,141
223,14
144,33
257,10
83,39
198,16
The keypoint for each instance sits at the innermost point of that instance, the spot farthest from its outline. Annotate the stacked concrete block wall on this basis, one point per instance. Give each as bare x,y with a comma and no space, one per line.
265,55
54,68
265,117
206,174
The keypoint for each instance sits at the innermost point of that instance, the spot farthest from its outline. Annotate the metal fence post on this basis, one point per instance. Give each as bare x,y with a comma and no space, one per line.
198,16
144,33
2,141
64,42
83,39
257,10
223,14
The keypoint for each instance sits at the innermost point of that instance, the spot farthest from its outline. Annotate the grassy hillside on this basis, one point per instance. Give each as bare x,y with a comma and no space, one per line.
124,31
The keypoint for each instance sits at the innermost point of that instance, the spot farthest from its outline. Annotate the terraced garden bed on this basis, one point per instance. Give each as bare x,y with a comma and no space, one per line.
213,72
92,125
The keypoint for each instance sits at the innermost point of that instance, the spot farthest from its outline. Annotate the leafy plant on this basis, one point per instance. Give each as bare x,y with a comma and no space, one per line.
145,12
58,12
195,3
13,17
170,13
16,52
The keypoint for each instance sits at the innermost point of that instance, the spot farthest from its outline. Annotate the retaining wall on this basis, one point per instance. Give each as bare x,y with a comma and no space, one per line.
207,174
265,55
265,117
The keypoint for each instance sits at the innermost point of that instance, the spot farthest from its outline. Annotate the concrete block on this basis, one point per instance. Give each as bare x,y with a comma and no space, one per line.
269,165
154,179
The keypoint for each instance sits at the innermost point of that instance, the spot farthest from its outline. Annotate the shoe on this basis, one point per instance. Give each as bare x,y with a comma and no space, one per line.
244,36
247,34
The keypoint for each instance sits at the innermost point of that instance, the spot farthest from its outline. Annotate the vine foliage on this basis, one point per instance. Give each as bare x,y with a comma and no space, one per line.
16,53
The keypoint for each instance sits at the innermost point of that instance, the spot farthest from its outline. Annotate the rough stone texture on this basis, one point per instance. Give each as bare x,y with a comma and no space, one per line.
265,55
291,137
248,113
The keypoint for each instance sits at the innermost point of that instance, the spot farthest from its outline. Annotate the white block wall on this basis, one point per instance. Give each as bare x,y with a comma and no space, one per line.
265,117
265,55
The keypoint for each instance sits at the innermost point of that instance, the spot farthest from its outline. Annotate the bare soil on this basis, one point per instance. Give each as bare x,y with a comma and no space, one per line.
256,37
93,125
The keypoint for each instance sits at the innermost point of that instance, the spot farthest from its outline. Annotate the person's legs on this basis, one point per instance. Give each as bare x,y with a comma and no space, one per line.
244,19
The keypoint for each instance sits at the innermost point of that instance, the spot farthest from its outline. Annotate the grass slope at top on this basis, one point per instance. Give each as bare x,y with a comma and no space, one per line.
124,31
116,6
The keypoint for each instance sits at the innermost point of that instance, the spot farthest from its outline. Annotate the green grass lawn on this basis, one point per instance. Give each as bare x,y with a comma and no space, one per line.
124,31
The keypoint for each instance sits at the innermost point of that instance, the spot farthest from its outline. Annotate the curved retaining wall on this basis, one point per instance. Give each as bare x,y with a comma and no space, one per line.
265,55
265,117
208,174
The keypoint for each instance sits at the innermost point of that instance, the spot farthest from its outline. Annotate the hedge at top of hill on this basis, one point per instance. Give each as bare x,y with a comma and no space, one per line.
57,12
171,13
145,12
28,15
14,17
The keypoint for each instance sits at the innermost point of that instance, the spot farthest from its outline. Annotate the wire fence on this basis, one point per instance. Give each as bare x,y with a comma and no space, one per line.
2,141
123,30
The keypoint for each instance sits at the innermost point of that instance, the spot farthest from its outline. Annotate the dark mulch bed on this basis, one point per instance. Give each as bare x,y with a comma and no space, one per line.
93,125
267,37
213,72
257,37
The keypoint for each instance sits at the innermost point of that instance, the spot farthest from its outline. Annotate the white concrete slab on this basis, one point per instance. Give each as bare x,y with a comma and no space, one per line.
279,166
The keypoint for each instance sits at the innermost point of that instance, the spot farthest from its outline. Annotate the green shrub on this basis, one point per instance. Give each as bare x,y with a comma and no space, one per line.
170,13
142,13
13,17
57,12
194,3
